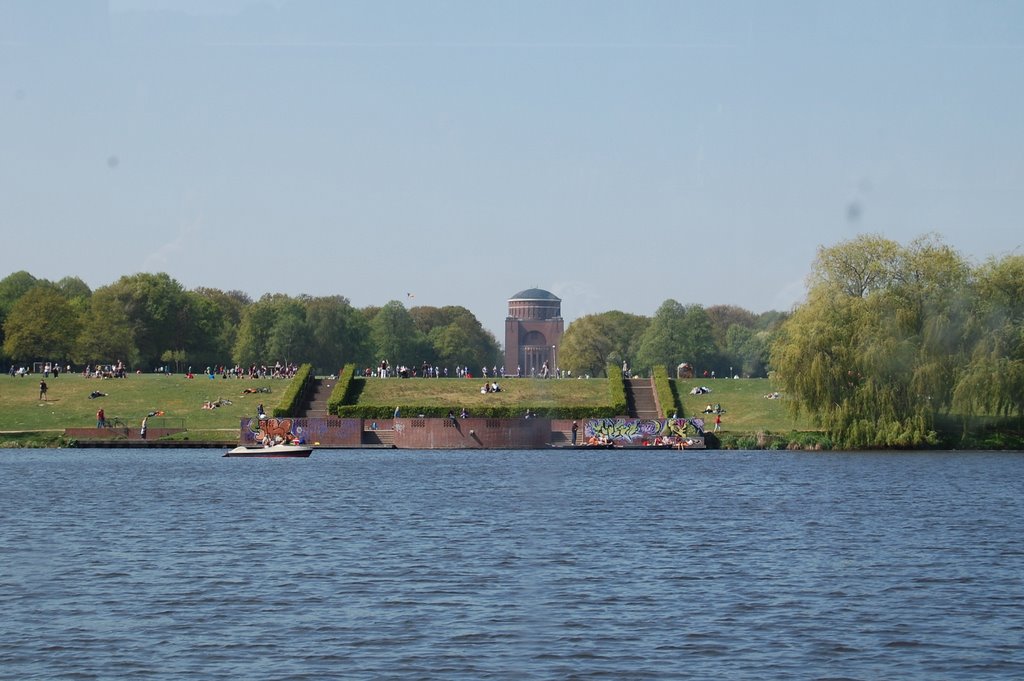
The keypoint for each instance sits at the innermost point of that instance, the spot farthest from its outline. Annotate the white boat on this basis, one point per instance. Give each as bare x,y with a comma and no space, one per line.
272,452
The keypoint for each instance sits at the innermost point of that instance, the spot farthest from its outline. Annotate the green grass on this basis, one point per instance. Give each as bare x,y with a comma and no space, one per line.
68,404
456,393
744,400
130,399
746,408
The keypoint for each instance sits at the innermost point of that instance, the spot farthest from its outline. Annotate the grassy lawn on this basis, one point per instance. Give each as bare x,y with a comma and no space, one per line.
130,399
465,392
746,409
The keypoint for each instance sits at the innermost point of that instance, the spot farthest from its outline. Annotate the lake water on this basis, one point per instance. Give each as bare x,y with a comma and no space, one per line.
163,564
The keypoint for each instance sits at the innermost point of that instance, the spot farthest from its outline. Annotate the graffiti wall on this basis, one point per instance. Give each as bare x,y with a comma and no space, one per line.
309,431
635,431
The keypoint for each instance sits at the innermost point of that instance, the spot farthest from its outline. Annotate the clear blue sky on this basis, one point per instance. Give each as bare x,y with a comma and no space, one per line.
616,153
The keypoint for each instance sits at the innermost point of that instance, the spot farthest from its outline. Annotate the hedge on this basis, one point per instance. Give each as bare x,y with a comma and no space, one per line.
345,390
291,398
617,391
668,396
375,411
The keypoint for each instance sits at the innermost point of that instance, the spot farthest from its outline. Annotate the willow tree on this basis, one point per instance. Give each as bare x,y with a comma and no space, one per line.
992,380
872,355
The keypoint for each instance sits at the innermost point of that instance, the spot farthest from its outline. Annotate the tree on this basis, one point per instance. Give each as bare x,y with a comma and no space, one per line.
592,342
106,334
724,317
272,329
289,338
76,291
747,350
13,287
156,307
873,352
427,317
41,325
394,336
677,333
460,340
338,333
858,267
992,381
212,318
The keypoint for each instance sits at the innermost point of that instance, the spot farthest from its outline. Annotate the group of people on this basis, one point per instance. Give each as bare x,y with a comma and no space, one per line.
492,387
427,370
255,371
288,439
116,370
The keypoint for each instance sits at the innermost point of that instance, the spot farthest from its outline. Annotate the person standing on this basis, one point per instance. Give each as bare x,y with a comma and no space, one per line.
42,389
718,422
101,419
575,428
142,431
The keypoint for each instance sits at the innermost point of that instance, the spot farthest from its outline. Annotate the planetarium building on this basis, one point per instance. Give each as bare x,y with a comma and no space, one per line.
533,332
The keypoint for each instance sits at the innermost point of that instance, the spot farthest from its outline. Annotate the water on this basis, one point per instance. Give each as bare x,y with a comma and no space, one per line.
511,565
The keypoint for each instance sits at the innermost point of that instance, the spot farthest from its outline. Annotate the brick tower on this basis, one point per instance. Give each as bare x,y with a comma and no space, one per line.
533,332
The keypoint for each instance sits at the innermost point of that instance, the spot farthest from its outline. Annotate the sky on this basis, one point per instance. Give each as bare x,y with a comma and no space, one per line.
617,153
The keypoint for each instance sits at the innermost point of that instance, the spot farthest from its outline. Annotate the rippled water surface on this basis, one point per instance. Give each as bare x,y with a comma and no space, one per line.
511,565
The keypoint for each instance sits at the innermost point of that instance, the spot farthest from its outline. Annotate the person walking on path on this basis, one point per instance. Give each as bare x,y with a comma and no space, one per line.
718,423
42,389
575,428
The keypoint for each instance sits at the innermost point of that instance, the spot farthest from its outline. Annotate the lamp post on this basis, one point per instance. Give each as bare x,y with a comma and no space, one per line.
554,359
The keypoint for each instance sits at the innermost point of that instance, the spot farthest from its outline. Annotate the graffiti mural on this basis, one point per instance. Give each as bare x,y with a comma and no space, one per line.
635,431
273,428
313,430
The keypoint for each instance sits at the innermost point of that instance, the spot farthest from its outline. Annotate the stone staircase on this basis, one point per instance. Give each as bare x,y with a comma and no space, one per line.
640,398
378,438
319,394
563,438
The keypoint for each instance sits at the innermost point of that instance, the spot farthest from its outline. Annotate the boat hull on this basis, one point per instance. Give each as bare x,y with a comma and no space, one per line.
275,452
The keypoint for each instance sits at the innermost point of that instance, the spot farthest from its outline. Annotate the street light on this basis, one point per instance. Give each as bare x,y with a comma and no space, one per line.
554,358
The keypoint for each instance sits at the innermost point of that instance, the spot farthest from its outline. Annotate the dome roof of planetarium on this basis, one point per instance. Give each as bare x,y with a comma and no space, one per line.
536,294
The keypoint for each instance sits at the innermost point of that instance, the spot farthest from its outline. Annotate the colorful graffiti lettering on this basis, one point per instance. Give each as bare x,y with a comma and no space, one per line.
635,430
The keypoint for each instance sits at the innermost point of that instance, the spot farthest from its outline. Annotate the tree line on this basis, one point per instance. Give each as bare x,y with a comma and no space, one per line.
151,321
